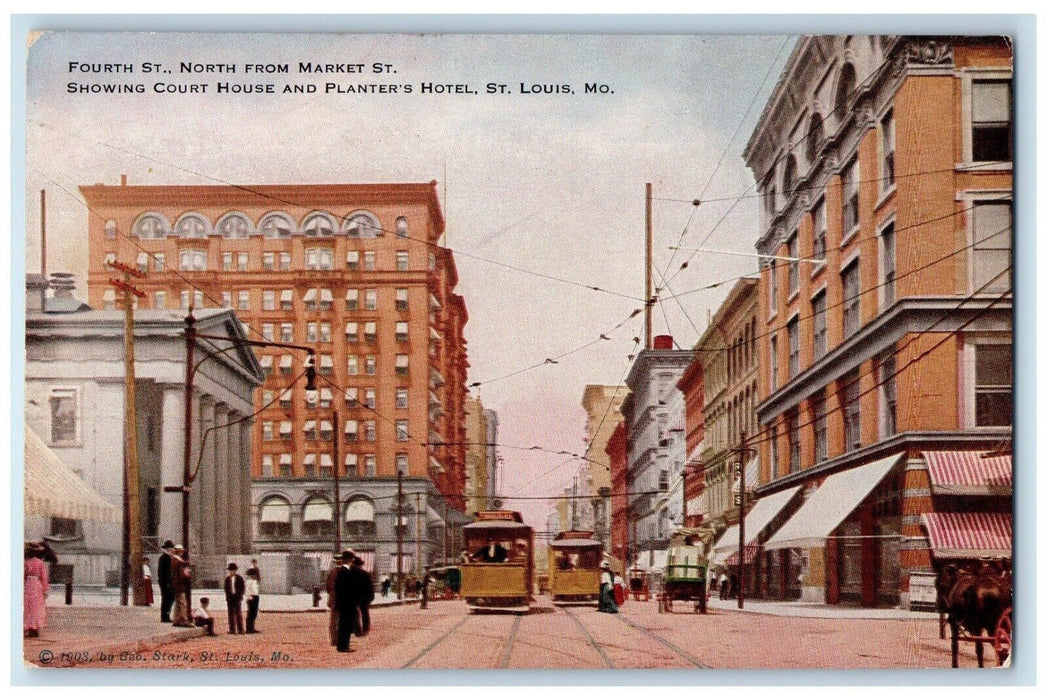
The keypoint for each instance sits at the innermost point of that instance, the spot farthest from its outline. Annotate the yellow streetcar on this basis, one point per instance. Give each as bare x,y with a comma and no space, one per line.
574,567
499,573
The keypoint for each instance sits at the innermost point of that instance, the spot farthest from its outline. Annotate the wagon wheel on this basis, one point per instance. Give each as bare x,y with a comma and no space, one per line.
697,606
1002,638
661,604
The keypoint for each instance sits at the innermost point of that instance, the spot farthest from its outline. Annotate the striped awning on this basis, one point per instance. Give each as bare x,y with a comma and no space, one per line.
968,535
750,555
969,473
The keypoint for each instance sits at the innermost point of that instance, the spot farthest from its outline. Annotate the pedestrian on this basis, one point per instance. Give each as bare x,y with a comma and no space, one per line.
181,582
163,572
202,617
329,585
386,585
147,581
258,571
723,585
345,600
607,603
619,589
35,590
365,586
426,580
464,557
253,592
733,586
234,596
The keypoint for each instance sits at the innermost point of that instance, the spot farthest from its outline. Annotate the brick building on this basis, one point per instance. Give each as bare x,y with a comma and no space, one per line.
884,164
355,271
602,404
618,454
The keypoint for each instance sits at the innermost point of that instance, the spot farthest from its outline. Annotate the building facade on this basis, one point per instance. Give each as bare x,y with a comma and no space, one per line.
476,454
493,458
618,456
653,453
603,412
692,386
74,384
884,165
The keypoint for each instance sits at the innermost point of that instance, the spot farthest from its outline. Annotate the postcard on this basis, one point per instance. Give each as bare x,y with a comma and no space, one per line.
518,351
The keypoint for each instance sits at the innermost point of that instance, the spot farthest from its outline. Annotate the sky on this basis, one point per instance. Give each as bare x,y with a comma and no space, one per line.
533,186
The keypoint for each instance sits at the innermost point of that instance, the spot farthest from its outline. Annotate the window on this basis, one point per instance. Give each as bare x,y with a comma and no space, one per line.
268,332
992,246
850,197
159,262
353,365
268,300
401,331
818,216
310,332
401,463
318,225
852,429
663,480
821,428
369,398
286,332
234,226
267,466
243,300
286,363
241,262
772,291
993,377
774,362
160,300
286,398
149,226
143,262
370,299
198,299
401,365
769,197
401,397
65,421
369,430
274,517
326,364
370,365
110,229
402,261
888,395
352,395
370,331
887,245
775,463
401,431
887,167
192,226
815,134
352,260
285,464
316,518
818,316
352,332
183,300
991,120
286,300
361,226
192,260
268,262
64,528
319,259
359,518
267,430
851,299
789,177
401,299
792,329
369,260
227,262
285,262
793,423
352,299
326,428
325,331
792,250
401,227
432,262
352,431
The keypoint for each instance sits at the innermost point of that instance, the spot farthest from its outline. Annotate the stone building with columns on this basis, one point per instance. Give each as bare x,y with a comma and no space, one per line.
74,399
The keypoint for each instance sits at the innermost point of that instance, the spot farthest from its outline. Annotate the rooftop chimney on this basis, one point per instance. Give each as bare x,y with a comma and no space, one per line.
35,293
63,284
663,342
123,180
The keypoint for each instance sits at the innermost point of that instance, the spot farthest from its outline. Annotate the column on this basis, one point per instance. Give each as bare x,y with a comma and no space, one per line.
221,482
914,552
203,486
246,431
172,436
233,511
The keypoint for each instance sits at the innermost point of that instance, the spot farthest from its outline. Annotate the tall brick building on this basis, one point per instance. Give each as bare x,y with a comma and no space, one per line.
885,377
355,271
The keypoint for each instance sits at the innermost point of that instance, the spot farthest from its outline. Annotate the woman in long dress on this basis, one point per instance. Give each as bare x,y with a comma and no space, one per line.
36,588
607,603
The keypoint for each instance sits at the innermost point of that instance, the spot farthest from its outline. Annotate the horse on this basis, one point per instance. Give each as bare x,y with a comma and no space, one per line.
973,597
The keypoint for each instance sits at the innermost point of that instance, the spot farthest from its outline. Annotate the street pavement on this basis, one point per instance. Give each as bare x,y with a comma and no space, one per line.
448,635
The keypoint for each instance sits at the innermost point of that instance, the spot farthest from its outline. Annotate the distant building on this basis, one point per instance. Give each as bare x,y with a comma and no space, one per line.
618,455
493,467
602,406
74,400
692,386
476,455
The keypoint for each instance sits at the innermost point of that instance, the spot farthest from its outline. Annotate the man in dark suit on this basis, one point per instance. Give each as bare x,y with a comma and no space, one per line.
163,574
234,596
492,553
365,588
346,591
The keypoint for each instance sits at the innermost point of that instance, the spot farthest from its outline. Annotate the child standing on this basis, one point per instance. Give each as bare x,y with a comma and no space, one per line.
253,597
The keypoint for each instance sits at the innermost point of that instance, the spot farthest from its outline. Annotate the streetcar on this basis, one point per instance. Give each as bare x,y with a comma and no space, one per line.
574,567
499,573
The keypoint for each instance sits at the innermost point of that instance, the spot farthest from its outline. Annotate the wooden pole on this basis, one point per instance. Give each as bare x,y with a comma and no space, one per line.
399,534
337,485
648,279
418,534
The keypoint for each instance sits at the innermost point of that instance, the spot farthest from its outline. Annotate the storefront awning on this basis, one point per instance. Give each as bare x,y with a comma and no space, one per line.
53,490
750,555
275,510
968,473
830,505
761,515
317,509
968,535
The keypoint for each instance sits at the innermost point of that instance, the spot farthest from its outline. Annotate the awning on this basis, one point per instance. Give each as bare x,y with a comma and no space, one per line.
968,473
434,303
351,460
266,361
405,563
830,505
352,294
351,426
286,360
310,426
325,394
53,490
968,535
326,460
310,295
433,335
351,328
433,515
751,551
326,362
359,510
325,426
285,427
285,459
325,295
317,509
285,395
762,513
309,459
401,361
275,510
370,328
286,295
352,256
696,506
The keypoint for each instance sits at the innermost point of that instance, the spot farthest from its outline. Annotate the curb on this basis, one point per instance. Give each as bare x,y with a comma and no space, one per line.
390,604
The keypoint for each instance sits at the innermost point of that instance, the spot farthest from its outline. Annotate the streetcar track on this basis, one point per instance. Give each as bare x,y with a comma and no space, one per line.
436,643
661,640
509,642
592,640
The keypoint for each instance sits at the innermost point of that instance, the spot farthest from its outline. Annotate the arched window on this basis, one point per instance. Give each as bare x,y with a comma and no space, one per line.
276,225
815,136
110,229
359,518
150,226
401,227
361,225
318,224
789,177
234,225
844,91
274,517
317,517
192,226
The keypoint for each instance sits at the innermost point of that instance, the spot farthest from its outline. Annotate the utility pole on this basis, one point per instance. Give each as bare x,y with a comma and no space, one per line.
648,279
130,569
399,534
187,457
446,526
743,453
337,486
43,234
418,534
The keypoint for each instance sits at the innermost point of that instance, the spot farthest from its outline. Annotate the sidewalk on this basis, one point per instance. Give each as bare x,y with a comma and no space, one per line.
271,602
794,608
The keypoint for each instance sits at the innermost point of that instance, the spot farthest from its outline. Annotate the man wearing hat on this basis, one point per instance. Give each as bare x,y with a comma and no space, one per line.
329,586
234,596
181,583
163,573
346,600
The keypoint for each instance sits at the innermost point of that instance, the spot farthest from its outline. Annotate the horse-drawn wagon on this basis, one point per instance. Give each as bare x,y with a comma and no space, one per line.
686,568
